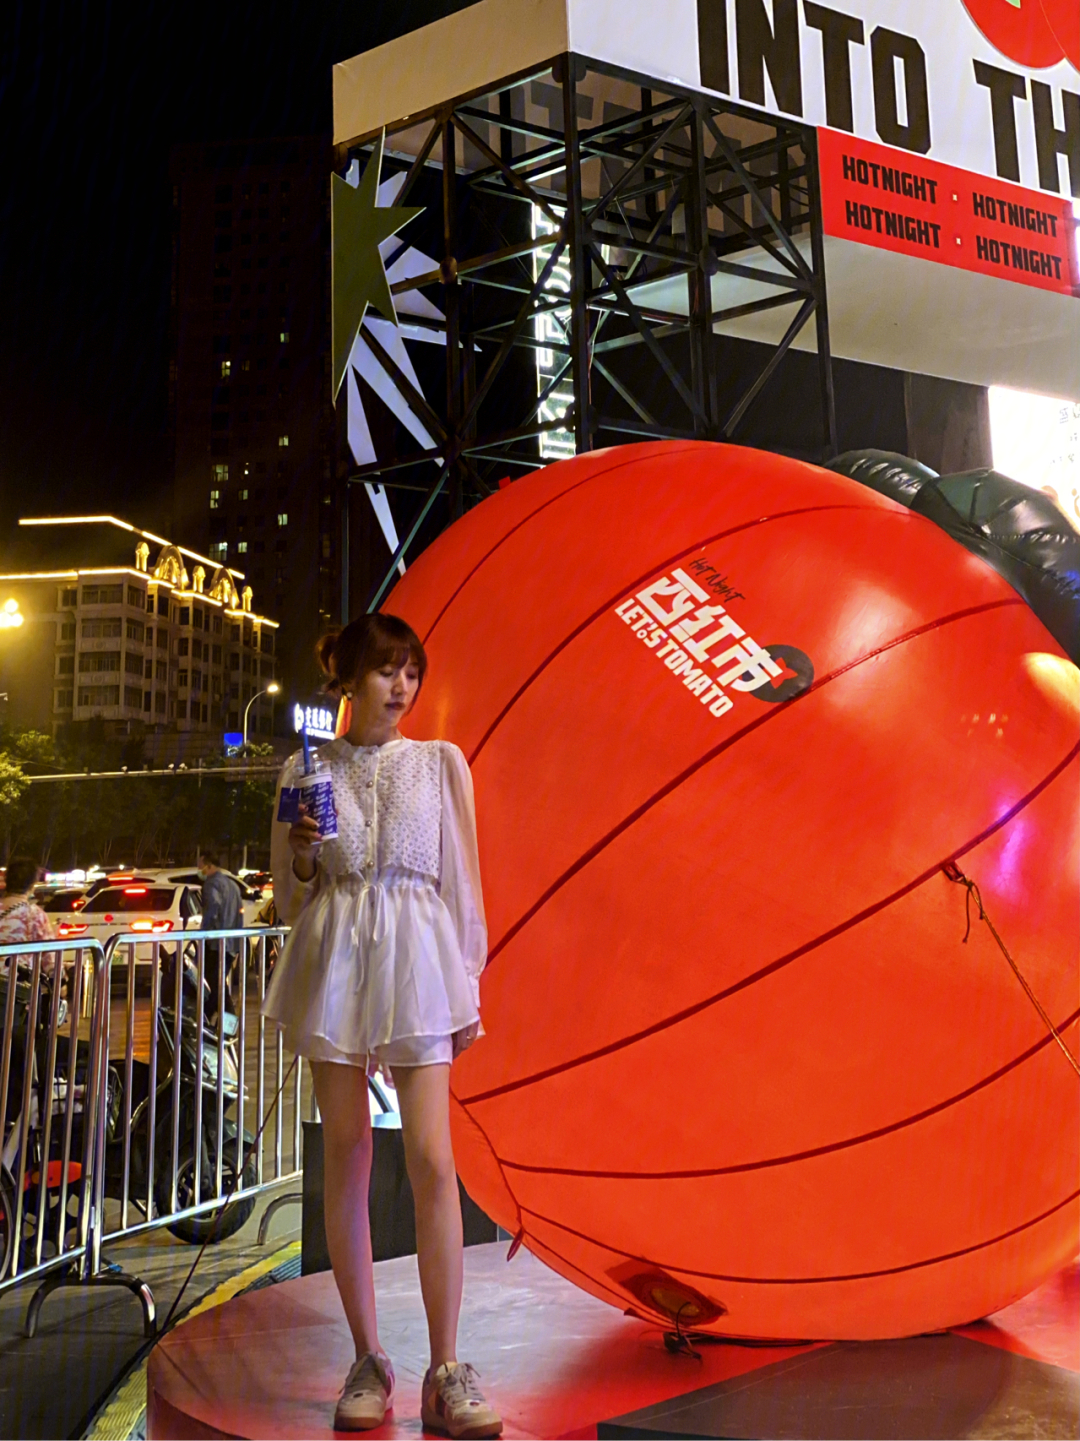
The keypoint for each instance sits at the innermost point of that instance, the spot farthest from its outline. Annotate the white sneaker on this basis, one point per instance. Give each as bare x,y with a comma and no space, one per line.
452,1401
367,1395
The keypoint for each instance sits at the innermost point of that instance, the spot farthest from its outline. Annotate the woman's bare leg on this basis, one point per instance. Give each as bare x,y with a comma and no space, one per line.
342,1094
423,1093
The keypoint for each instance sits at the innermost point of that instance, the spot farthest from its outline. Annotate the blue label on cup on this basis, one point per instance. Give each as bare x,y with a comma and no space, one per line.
316,795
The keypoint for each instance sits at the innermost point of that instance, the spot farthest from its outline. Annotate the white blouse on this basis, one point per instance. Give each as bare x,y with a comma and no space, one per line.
388,940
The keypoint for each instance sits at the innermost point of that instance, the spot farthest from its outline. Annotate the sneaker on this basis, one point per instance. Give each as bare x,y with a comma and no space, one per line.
367,1395
453,1402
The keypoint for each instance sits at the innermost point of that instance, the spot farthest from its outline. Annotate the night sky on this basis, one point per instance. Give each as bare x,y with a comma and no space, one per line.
91,98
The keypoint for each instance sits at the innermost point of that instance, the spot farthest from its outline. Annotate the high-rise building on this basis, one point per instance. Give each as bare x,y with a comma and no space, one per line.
104,620
250,413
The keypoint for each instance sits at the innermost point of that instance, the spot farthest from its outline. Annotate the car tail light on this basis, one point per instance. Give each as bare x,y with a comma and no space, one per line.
155,926
69,928
134,890
78,903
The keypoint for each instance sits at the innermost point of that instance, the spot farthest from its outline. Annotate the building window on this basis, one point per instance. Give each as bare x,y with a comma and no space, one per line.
234,632
241,547
162,604
101,629
161,670
283,440
242,495
69,597
185,615
102,594
221,345
99,695
64,699
284,337
98,660
66,665
283,517
159,702
226,370
216,623
150,602
219,549
215,500
216,656
67,630
181,710
162,637
133,664
182,645
200,617
182,680
135,630
220,472
133,697
148,670
148,696
136,597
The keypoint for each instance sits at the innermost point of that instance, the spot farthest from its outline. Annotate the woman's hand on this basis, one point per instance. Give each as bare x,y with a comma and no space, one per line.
304,840
463,1039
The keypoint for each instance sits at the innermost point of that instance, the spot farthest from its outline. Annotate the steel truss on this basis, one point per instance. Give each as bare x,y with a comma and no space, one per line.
673,215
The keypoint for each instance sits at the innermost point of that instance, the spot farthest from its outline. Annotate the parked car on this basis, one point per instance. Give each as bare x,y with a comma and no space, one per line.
64,900
145,907
250,899
118,878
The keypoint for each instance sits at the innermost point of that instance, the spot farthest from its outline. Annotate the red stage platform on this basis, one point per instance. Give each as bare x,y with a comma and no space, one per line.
560,1364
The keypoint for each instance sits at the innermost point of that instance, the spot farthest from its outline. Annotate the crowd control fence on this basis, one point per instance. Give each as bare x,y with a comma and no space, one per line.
142,1088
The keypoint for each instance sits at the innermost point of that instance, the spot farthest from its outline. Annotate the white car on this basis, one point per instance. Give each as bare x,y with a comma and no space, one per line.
251,901
143,907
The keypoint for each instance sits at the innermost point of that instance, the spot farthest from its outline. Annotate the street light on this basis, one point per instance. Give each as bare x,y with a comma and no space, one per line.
271,689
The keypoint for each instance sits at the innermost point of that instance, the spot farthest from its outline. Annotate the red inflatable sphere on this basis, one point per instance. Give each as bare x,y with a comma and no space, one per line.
728,716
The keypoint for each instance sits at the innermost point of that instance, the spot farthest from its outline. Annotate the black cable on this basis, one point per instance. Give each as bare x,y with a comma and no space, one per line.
220,1216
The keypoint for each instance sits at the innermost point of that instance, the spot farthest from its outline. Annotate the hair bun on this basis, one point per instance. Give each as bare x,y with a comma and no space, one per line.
325,651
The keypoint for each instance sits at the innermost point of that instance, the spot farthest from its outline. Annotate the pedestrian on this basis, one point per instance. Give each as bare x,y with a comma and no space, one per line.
381,969
222,911
21,918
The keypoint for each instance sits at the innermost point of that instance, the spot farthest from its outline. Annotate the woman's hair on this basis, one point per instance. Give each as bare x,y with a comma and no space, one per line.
21,874
364,645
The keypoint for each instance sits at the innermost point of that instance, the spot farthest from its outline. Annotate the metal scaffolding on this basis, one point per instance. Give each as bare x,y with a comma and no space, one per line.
598,231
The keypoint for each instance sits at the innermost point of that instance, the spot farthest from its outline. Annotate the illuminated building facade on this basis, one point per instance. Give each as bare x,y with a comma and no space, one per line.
122,624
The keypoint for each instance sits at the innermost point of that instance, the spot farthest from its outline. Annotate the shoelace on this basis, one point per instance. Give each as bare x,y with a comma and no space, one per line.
366,1376
465,1379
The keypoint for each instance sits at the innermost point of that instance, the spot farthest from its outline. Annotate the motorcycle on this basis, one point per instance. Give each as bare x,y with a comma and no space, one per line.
178,1097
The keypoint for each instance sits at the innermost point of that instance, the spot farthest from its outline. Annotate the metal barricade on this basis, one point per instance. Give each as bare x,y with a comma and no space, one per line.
199,1071
52,1012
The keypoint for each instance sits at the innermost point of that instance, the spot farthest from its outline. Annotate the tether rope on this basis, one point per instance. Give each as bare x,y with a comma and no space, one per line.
953,872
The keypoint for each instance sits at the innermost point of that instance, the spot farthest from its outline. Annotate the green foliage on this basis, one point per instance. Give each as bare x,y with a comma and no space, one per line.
13,784
143,819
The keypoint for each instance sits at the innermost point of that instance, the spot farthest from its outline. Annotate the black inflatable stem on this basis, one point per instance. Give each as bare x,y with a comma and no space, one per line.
1017,530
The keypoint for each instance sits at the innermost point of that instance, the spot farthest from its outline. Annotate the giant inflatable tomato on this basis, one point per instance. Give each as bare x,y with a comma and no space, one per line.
729,715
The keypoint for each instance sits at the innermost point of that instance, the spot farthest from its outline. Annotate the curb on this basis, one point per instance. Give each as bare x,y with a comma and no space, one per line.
123,1416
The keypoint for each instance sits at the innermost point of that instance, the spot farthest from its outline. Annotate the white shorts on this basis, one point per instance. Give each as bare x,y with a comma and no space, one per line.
416,1051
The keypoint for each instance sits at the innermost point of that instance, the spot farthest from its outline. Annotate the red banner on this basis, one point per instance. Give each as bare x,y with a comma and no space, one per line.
902,202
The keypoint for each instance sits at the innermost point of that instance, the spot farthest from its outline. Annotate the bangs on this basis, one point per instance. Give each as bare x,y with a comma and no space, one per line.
386,650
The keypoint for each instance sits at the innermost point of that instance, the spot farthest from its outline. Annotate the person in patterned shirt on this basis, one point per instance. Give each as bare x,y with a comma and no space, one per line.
21,918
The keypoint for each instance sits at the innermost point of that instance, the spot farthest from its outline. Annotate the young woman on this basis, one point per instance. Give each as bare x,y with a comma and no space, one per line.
382,968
